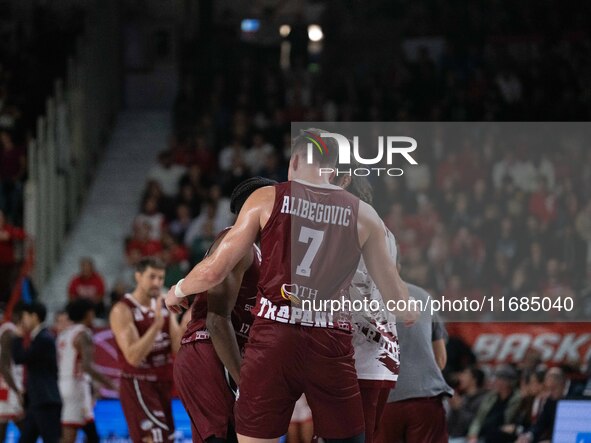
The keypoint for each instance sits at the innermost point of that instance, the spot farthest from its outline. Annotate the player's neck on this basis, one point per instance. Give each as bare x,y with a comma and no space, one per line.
311,175
143,298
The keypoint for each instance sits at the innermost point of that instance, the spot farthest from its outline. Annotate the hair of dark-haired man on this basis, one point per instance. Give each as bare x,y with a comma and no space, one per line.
149,262
243,190
359,186
78,309
37,308
17,311
300,144
478,375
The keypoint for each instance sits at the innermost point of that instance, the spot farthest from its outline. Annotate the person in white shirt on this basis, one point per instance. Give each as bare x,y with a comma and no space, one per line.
77,371
256,156
167,173
375,339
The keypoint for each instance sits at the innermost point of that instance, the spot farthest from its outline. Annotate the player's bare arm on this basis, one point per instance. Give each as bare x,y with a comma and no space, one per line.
85,347
176,333
221,299
380,264
6,361
440,353
212,270
134,348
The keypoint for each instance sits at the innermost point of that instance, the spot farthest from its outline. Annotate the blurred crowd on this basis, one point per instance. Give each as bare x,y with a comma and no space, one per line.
476,219
33,53
512,405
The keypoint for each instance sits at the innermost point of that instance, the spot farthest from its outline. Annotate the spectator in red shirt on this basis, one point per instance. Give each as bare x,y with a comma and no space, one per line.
8,264
140,244
542,204
12,171
88,284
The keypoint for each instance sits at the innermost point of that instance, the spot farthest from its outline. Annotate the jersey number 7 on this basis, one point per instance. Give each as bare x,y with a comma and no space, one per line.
314,237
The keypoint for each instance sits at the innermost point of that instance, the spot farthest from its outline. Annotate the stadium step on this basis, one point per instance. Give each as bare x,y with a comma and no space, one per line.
112,202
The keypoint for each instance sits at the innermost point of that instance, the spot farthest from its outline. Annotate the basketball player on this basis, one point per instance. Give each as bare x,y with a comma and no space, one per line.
75,352
375,339
145,334
291,351
11,382
222,314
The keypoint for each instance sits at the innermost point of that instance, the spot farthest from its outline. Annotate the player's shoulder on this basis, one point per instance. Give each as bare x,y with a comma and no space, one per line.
263,194
120,309
368,215
261,199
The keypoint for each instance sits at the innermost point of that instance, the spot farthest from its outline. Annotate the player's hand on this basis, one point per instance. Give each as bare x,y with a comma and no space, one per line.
410,315
175,304
158,317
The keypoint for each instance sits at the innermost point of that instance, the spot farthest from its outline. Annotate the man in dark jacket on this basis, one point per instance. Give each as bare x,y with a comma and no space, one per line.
555,384
42,402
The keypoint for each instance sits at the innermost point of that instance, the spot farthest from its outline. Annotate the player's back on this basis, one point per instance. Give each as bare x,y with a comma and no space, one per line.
241,313
69,359
310,249
158,364
377,354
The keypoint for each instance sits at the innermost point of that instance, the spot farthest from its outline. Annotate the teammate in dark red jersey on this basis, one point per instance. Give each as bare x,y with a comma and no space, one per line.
291,351
146,336
221,315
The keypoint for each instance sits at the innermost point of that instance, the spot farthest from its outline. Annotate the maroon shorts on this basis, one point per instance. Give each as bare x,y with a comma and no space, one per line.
374,395
199,377
283,361
416,420
147,407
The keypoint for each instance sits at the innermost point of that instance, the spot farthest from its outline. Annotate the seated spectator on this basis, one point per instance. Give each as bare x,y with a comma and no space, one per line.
554,386
195,177
230,155
532,384
178,227
204,157
202,241
89,285
465,403
8,262
468,252
140,244
555,286
167,173
153,190
542,203
151,217
498,408
188,196
256,156
272,169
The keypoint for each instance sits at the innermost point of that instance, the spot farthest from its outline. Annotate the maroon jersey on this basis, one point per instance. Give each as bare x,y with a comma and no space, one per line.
241,314
310,249
158,364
